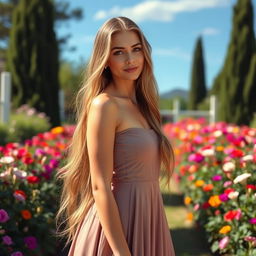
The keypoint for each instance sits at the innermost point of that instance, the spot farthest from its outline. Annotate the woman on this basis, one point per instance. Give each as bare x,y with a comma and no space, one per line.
111,197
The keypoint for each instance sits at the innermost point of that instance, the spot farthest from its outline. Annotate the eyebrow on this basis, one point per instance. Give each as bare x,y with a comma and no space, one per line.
119,47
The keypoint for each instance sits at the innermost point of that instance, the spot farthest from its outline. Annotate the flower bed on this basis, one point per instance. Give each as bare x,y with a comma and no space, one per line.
29,193
216,168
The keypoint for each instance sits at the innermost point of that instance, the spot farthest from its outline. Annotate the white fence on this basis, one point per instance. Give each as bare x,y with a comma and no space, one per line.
5,99
176,112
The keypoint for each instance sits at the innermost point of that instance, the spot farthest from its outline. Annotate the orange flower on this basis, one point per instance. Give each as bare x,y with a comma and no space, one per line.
225,229
193,168
214,201
26,214
187,200
208,187
190,216
57,130
219,148
199,183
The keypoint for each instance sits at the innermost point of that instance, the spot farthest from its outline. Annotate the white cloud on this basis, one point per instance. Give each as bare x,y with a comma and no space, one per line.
175,52
210,31
163,11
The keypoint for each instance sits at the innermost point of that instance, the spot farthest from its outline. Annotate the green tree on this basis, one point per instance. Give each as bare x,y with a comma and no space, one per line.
70,77
198,89
62,14
33,58
231,84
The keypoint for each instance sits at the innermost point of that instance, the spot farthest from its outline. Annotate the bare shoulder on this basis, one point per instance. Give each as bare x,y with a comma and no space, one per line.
103,113
104,100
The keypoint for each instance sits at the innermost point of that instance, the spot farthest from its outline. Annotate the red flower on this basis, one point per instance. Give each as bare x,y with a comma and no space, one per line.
20,192
237,153
232,214
27,160
205,205
251,186
228,190
33,179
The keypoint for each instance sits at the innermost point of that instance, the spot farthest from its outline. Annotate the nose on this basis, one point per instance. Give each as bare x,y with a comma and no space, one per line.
129,58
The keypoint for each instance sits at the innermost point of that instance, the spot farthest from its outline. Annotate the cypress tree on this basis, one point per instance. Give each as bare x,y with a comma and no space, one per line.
229,85
249,92
198,89
33,58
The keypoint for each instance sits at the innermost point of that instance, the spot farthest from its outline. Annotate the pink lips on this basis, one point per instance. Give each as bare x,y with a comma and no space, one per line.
130,69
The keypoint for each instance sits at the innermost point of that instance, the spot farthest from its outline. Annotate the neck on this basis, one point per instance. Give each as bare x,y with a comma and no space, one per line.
124,89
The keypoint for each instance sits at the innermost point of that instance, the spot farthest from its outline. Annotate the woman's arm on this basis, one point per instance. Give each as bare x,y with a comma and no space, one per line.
101,124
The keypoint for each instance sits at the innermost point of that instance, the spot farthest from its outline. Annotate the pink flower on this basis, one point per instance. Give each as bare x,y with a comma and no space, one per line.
196,207
31,242
223,242
3,216
227,183
7,240
251,239
196,157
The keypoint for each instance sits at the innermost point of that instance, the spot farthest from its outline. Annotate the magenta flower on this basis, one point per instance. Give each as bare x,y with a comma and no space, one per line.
18,253
7,240
223,197
217,178
31,242
40,152
53,163
223,242
3,216
198,158
252,221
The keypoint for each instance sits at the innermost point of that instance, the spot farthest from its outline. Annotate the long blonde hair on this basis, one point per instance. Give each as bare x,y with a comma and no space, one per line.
76,196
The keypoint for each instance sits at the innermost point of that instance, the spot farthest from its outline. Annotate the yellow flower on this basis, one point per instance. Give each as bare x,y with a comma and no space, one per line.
57,130
225,229
187,200
199,183
214,201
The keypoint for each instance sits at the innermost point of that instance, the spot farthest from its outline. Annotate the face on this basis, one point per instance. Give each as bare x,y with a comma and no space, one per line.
126,58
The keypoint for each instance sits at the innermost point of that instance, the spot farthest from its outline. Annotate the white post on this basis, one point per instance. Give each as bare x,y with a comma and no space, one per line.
62,102
176,110
213,109
5,96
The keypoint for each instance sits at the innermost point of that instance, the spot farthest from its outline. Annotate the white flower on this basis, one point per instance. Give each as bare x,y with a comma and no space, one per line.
19,173
5,174
6,160
217,133
208,152
247,158
228,167
233,195
242,177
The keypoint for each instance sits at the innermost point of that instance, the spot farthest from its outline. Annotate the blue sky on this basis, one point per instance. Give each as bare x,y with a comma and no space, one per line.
171,27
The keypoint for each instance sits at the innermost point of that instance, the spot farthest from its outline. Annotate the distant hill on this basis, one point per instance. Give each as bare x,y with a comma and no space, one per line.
174,93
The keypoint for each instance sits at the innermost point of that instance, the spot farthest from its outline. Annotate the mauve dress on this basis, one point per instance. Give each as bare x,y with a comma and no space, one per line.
135,186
